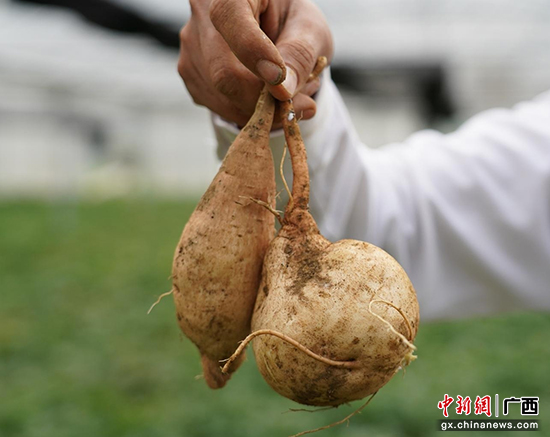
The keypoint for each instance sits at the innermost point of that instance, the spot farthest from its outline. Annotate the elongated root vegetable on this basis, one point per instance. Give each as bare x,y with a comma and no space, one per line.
217,263
332,322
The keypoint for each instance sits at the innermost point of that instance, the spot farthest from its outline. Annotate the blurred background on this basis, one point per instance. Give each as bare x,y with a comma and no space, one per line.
91,104
103,156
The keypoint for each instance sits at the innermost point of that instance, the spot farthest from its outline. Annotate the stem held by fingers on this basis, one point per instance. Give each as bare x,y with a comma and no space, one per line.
290,200
298,157
318,69
297,148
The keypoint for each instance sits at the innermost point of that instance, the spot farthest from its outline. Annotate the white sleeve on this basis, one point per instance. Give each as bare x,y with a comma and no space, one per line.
466,214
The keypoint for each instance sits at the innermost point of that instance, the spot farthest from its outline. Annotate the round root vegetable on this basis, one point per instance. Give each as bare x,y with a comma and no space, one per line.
217,264
332,322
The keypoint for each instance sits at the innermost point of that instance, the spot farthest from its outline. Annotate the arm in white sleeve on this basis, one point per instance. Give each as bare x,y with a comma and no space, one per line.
466,214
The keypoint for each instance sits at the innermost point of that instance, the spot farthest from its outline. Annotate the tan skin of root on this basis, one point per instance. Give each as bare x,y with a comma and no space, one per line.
227,368
217,262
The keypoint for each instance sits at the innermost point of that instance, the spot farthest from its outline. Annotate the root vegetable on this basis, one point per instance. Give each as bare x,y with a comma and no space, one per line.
217,263
332,322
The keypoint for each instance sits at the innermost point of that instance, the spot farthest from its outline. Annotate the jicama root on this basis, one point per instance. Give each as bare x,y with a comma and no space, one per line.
319,294
217,263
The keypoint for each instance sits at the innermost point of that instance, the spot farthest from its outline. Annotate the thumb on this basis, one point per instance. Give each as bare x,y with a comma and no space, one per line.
300,58
305,37
236,21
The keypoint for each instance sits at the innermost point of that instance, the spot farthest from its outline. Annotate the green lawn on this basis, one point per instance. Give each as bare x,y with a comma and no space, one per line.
80,357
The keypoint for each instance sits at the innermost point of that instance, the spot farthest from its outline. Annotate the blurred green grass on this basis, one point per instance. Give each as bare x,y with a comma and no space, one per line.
79,356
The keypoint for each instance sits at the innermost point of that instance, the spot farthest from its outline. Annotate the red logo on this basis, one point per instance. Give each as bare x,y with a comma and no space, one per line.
443,405
463,405
483,405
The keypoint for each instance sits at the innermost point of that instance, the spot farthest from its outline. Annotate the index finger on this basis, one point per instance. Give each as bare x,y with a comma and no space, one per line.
236,22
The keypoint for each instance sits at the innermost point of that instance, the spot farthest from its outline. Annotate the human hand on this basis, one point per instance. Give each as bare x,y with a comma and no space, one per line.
230,48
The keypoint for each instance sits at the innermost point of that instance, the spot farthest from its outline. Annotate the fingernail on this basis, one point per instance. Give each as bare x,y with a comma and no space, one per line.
290,82
270,72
